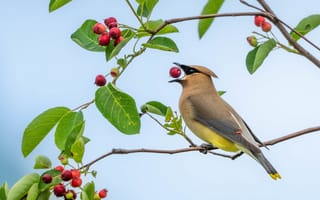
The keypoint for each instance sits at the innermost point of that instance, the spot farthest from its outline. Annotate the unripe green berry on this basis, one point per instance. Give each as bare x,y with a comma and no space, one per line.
252,40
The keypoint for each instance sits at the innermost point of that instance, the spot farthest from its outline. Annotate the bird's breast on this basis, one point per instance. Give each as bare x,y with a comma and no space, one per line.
203,132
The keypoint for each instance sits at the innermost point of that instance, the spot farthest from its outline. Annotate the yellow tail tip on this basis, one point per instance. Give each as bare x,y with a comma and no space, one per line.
275,176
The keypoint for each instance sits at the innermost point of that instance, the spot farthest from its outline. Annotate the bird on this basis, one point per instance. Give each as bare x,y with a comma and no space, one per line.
213,120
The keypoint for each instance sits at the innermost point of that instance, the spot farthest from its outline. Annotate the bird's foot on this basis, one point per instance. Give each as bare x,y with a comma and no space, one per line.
206,147
236,155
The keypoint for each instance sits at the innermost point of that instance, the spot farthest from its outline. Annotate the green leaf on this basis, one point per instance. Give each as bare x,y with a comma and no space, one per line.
65,127
211,7
88,190
162,43
40,127
4,191
42,162
77,150
56,4
20,188
154,25
33,192
56,178
154,107
256,56
94,173
84,196
220,93
145,7
85,139
122,62
169,114
86,38
76,132
112,50
305,26
45,195
119,108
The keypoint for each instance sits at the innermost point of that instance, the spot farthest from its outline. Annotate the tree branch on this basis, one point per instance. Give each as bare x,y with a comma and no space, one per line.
277,22
199,148
268,14
292,135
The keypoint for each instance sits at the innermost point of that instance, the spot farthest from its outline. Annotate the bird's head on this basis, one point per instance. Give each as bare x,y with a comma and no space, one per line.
193,71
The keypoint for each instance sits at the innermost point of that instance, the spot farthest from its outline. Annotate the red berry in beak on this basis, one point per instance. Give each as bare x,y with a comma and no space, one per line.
175,72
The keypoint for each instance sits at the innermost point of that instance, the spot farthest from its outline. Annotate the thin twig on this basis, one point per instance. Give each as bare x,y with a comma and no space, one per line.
285,24
292,135
251,6
142,150
135,14
84,106
182,19
286,34
199,148
300,35
279,43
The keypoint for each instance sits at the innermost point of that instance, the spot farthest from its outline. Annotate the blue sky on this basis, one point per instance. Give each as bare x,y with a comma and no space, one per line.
41,67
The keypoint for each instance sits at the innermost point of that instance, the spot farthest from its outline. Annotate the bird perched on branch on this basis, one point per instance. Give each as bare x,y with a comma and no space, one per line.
213,120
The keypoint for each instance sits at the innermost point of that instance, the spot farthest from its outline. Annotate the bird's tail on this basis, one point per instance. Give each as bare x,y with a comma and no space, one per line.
267,165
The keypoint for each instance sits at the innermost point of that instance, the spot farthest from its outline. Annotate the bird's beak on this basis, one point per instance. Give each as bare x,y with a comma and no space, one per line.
182,66
178,80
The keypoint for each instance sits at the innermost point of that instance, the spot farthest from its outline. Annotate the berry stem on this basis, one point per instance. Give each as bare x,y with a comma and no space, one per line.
285,47
84,106
131,58
135,14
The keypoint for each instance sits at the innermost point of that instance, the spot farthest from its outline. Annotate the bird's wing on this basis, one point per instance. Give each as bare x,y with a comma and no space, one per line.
220,120
253,135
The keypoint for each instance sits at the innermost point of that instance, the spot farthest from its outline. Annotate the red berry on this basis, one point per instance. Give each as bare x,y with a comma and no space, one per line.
258,20
266,26
252,40
100,80
59,190
104,39
103,193
66,175
113,25
59,167
75,173
118,40
76,182
110,20
99,28
114,72
47,178
115,33
70,194
175,72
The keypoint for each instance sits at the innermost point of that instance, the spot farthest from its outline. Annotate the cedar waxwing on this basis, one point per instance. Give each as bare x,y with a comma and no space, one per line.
213,120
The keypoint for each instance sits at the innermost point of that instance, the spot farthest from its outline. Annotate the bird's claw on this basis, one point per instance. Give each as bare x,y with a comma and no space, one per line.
206,147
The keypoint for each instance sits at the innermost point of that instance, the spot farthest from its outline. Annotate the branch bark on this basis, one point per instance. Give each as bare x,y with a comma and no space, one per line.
277,22
268,14
200,148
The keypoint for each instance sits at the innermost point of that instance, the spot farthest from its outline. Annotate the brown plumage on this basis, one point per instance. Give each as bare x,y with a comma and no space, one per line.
213,120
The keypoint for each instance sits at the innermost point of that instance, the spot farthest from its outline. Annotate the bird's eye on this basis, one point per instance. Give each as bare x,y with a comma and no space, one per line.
191,71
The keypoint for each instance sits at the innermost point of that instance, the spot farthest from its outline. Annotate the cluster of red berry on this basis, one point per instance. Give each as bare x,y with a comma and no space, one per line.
72,176
105,36
261,22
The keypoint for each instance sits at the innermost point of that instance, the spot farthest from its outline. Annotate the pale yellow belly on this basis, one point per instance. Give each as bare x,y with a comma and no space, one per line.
212,137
